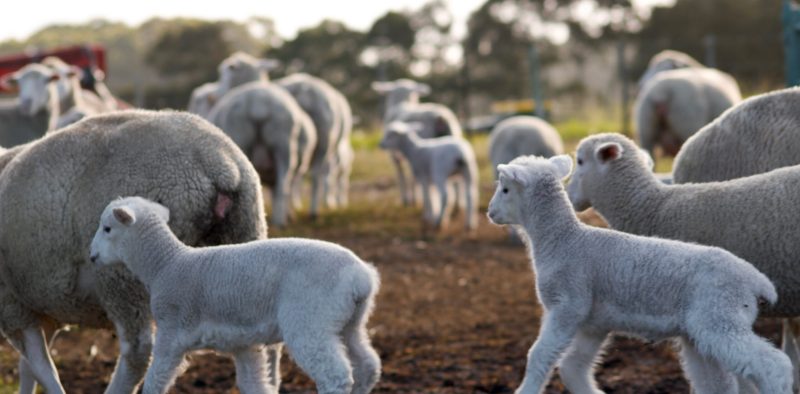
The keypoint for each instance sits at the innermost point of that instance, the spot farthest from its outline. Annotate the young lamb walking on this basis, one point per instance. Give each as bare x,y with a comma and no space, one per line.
434,161
315,296
593,281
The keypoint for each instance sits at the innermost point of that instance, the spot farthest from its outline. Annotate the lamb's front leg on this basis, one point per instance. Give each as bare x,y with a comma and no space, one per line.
406,191
555,335
252,371
167,363
577,366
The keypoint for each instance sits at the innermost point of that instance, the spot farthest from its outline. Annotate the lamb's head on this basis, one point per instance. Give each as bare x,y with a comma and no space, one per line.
396,133
241,68
120,222
33,83
401,91
518,182
600,158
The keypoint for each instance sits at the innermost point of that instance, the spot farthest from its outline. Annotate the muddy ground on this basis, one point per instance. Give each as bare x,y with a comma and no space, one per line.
456,313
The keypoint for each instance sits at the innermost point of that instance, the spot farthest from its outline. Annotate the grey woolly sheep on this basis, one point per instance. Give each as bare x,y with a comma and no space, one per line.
592,282
264,121
50,197
522,136
675,104
314,295
241,68
758,135
667,60
402,104
203,99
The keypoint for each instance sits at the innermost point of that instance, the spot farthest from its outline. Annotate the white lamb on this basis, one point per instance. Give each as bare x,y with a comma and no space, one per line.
593,281
315,296
434,161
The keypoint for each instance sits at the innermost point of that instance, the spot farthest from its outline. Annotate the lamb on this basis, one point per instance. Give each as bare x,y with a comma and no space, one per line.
433,162
761,133
203,99
667,60
593,281
317,98
402,104
314,295
675,104
523,135
50,196
264,121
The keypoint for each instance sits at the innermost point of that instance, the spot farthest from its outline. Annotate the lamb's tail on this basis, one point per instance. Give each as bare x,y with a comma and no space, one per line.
366,282
763,289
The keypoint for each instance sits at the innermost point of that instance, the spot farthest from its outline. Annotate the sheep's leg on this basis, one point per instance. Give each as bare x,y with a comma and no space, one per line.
322,357
365,361
274,359
705,374
280,192
789,346
445,207
343,187
471,194
577,365
297,190
252,371
744,353
32,346
317,182
428,213
168,363
554,337
406,193
331,173
27,380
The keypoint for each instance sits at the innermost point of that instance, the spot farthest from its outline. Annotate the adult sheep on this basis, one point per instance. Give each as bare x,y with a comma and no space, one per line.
70,93
667,60
675,104
339,178
760,134
402,104
203,99
52,193
265,122
523,136
241,68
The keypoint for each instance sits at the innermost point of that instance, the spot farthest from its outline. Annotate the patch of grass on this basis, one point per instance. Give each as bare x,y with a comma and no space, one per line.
365,139
573,130
9,388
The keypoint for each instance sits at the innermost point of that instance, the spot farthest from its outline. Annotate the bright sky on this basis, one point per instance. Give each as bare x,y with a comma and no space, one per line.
26,17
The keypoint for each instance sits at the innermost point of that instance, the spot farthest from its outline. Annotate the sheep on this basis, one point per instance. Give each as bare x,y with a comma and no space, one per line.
675,104
38,93
306,142
760,134
402,104
18,128
241,68
70,93
594,281
317,98
203,99
338,185
314,295
523,135
747,216
667,60
264,121
433,162
50,196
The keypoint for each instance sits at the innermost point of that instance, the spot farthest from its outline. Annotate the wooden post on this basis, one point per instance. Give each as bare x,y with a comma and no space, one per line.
791,42
536,83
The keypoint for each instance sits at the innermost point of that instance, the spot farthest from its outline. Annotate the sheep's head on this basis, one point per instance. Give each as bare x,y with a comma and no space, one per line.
599,158
67,74
401,91
33,82
525,173
117,224
241,68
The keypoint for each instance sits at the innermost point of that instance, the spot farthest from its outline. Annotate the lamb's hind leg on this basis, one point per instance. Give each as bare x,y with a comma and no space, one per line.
705,374
577,364
406,191
32,346
322,357
252,371
365,361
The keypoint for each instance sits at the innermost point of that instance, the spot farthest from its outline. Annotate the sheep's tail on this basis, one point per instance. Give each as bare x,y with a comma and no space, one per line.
764,289
366,282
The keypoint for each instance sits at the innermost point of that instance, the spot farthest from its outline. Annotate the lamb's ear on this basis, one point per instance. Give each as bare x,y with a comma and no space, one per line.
563,164
423,89
163,212
608,151
268,64
54,77
124,215
382,86
509,173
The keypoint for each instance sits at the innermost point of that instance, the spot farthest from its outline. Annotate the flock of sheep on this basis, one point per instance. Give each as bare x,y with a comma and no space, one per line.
695,257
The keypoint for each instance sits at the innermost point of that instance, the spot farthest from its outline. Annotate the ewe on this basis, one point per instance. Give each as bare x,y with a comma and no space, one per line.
315,296
593,281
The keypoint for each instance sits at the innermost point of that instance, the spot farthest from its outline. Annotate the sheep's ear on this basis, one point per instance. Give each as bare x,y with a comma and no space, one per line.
563,164
508,173
9,82
648,160
268,64
423,89
382,86
74,72
124,215
53,77
608,151
99,75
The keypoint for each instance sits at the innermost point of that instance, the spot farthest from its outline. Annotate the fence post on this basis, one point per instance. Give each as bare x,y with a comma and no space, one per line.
791,31
710,42
624,89
536,83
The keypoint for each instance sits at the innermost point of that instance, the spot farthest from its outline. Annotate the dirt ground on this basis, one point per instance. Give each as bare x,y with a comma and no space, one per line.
456,314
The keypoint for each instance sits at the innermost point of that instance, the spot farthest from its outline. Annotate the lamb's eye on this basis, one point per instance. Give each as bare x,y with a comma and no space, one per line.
580,161
107,229
505,190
